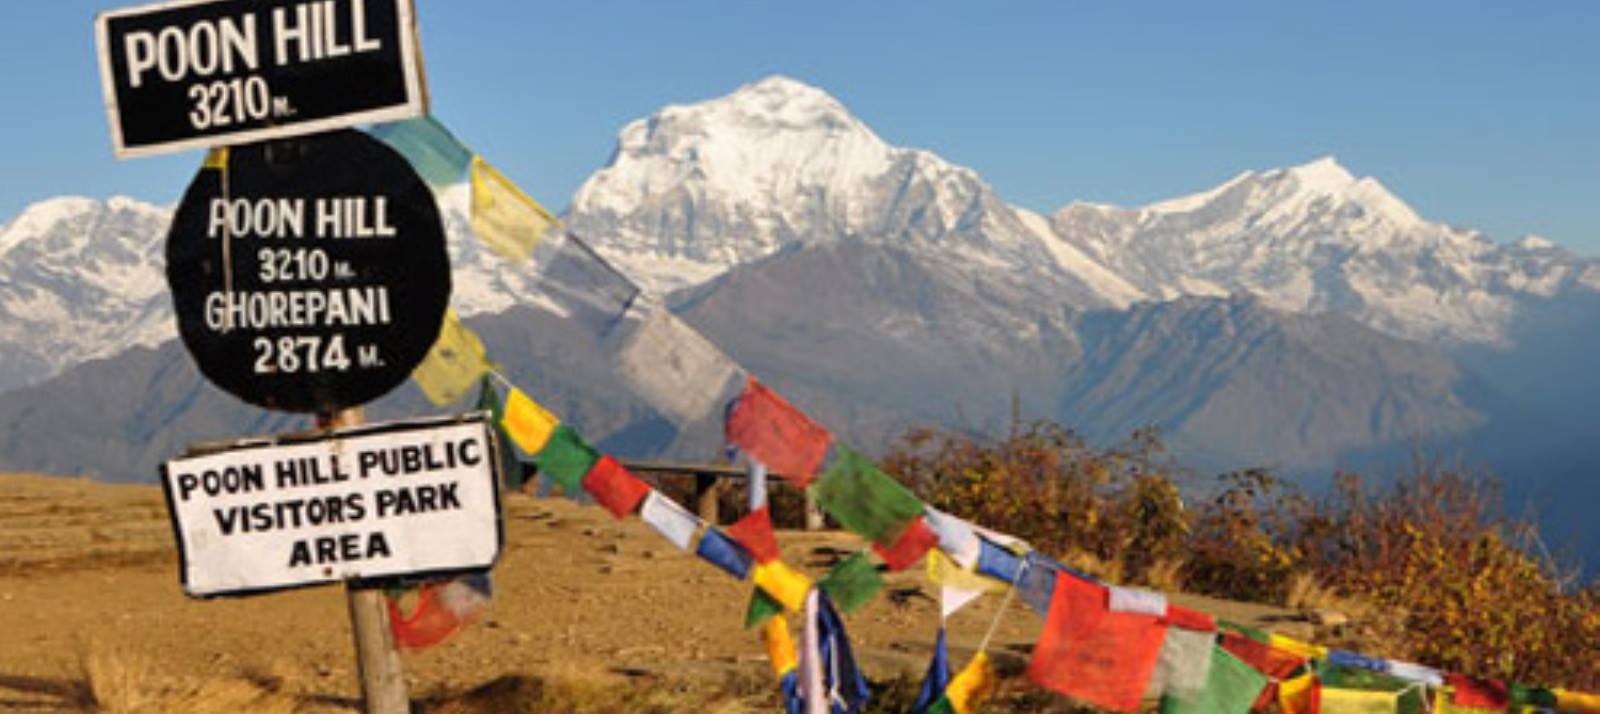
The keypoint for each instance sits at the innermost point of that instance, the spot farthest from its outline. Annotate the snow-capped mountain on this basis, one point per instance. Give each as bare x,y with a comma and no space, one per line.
1314,238
80,279
694,190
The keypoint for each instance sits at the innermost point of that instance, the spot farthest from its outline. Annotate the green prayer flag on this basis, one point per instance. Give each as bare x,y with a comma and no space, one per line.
942,706
566,459
864,499
1231,688
1536,697
436,155
762,607
852,582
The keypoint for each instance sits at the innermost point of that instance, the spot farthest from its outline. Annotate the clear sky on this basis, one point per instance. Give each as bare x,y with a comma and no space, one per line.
1479,114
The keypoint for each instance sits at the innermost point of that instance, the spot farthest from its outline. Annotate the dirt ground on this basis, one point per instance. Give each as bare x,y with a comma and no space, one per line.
92,616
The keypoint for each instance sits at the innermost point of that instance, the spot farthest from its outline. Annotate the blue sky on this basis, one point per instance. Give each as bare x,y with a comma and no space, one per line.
1478,114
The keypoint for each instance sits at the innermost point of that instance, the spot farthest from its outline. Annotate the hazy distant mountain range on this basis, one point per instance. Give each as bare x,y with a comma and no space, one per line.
1301,318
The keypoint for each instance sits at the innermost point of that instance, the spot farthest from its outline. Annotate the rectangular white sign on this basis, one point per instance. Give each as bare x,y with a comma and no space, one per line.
408,498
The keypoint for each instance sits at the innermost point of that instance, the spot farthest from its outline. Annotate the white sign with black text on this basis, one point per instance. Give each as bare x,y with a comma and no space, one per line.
408,498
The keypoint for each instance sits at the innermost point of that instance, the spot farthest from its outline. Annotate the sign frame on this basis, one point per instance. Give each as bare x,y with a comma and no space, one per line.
259,443
411,61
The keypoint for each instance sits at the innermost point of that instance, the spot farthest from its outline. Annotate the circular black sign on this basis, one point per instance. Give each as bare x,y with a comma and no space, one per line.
308,274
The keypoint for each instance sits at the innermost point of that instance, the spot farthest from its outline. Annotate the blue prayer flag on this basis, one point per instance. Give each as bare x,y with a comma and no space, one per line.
937,679
721,551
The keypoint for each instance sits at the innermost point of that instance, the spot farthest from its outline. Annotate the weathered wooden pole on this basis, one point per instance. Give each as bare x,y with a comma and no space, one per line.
383,681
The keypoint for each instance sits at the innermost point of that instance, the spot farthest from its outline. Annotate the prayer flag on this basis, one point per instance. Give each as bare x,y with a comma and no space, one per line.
528,423
1416,673
442,609
952,599
613,487
1252,646
216,159
673,367
566,459
1136,600
1301,694
1526,697
783,583
454,363
1405,698
852,582
1184,663
672,521
1037,582
770,429
719,550
1088,652
504,217
762,607
489,401
864,499
756,478
1477,693
780,645
1296,647
1352,660
581,285
436,155
956,537
754,532
1232,686
937,678
1578,702
915,541
1356,701
829,678
943,571
975,683
1179,616
998,563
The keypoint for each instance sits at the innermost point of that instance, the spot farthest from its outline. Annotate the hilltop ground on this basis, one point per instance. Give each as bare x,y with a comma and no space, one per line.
92,616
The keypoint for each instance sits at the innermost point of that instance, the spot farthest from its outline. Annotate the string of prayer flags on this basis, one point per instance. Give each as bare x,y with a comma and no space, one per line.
527,422
773,431
937,678
975,683
829,678
614,487
721,551
762,607
442,609
852,582
1092,654
581,285
436,155
783,583
754,532
504,217
674,522
674,368
907,550
566,458
1232,687
864,499
956,537
454,363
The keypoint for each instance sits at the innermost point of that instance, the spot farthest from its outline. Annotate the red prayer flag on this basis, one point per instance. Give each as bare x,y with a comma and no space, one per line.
915,541
616,489
1179,616
1478,693
1086,651
775,433
754,532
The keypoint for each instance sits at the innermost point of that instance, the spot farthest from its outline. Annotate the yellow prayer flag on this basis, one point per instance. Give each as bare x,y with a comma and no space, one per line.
784,584
504,217
1296,647
974,684
1296,695
529,424
1579,702
944,571
780,646
1358,701
454,363
216,159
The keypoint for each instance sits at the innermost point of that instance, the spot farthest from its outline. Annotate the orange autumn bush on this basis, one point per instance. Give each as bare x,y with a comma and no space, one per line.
1430,565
